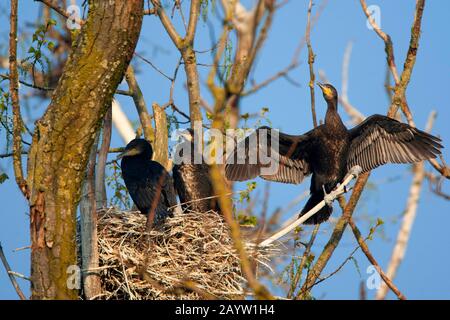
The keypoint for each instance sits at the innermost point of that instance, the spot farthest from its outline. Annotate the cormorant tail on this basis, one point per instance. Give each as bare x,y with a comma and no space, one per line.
322,215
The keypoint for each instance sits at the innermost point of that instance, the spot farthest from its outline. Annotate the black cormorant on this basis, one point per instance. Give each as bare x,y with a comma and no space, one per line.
329,151
149,184
192,180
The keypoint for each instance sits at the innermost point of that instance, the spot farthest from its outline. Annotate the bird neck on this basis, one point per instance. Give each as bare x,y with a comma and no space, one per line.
332,118
138,160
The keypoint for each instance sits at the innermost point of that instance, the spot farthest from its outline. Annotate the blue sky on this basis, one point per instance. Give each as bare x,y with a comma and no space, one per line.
424,271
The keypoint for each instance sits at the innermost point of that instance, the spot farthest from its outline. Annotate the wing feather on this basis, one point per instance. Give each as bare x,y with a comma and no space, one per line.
291,158
379,140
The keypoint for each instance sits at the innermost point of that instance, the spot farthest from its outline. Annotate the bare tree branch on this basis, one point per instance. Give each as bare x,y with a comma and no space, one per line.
298,274
171,31
14,92
311,57
365,249
398,253
140,104
88,233
100,188
399,98
59,10
186,48
387,42
334,239
161,144
10,274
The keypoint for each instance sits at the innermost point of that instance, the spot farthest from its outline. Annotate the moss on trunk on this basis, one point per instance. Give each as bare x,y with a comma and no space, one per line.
65,134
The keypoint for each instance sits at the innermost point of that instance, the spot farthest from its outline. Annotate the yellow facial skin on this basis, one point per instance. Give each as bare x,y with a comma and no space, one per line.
326,91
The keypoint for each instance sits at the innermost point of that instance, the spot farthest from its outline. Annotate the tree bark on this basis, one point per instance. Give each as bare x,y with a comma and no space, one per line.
88,229
64,136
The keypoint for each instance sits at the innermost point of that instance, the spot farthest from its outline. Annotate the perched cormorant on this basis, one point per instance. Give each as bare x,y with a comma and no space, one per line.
329,151
149,184
192,180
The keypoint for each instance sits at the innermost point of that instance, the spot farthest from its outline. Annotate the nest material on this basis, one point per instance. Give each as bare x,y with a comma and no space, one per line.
190,257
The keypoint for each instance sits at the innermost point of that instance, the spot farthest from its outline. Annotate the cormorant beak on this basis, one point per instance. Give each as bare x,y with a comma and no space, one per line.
325,90
121,155
127,153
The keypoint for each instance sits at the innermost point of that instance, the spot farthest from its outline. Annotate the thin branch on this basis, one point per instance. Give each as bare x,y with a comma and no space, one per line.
335,238
268,81
140,104
88,228
111,150
59,10
49,89
185,46
153,66
173,34
311,56
10,274
339,268
298,275
194,12
398,253
437,181
365,249
161,142
100,188
387,41
14,92
442,169
10,154
399,98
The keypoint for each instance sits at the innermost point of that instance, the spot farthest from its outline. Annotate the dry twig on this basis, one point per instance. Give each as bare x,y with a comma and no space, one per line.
10,274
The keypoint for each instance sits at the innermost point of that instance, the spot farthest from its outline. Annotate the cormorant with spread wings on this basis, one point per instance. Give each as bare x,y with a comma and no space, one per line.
329,151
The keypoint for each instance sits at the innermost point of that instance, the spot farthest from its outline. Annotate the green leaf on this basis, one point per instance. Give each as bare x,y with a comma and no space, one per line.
3,177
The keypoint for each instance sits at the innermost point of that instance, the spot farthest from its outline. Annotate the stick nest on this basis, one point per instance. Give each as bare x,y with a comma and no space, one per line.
190,257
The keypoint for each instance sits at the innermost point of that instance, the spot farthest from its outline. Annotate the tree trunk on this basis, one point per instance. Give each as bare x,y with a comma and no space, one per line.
64,135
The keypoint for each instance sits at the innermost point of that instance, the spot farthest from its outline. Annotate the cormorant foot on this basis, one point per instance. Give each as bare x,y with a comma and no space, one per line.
329,197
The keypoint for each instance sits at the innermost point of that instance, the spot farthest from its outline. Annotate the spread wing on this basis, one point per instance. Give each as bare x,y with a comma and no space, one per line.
246,162
379,140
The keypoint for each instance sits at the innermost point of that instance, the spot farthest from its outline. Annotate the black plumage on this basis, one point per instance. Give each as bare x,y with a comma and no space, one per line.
149,184
192,178
329,151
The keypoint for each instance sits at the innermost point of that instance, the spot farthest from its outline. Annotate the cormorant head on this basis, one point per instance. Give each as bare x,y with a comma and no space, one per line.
137,147
329,92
